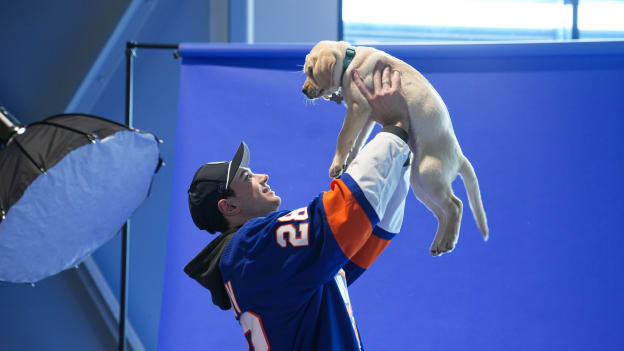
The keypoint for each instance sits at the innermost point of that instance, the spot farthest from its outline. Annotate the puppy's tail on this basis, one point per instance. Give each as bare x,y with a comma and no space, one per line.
474,196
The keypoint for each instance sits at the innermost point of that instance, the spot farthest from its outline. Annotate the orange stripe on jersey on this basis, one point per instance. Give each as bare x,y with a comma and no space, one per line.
347,220
370,251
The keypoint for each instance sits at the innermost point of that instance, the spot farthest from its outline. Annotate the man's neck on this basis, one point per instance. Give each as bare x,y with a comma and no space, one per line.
235,223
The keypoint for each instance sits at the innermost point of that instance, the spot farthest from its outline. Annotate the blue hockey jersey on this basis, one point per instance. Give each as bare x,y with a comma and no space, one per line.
286,274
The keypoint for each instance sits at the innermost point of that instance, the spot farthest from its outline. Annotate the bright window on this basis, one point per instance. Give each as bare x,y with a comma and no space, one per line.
601,19
460,20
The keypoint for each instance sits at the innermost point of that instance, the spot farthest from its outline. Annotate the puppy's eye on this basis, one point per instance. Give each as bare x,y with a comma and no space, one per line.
310,72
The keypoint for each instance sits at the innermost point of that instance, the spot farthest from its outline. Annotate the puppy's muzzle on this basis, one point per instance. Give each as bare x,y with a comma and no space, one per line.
311,92
306,92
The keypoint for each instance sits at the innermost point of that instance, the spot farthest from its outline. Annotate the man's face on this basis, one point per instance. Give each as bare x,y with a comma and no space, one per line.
253,195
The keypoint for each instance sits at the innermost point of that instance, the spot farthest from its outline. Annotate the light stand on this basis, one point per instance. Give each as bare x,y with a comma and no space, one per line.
125,249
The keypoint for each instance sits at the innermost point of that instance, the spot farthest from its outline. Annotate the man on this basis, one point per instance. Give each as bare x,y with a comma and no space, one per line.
285,273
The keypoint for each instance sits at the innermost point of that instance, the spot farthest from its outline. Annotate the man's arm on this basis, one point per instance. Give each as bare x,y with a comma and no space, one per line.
359,199
374,176
388,227
390,224
309,245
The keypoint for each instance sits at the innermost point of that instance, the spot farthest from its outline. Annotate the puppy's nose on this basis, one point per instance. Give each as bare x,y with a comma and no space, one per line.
306,92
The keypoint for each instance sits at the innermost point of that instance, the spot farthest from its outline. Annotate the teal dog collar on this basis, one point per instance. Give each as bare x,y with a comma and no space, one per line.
349,54
347,60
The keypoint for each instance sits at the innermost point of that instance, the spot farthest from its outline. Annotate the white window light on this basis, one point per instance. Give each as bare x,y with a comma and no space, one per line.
601,15
457,13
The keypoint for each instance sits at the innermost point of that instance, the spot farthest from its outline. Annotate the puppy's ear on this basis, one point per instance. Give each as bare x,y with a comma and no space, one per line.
324,69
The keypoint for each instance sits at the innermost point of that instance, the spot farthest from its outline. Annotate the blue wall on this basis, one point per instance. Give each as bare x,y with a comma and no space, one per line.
56,314
541,124
46,53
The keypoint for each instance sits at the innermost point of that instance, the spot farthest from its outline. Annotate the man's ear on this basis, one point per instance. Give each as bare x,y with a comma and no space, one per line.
227,208
324,69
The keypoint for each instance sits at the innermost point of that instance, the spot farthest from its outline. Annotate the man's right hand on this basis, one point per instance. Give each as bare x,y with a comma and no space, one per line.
388,106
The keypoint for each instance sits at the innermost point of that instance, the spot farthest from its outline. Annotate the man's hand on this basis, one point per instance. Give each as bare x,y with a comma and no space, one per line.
387,104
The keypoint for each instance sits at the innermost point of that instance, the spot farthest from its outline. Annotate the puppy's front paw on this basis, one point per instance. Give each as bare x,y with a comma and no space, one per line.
336,170
350,158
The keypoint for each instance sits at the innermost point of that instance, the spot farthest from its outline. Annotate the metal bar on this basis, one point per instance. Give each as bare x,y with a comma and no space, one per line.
123,306
340,22
130,53
152,46
575,31
125,241
125,249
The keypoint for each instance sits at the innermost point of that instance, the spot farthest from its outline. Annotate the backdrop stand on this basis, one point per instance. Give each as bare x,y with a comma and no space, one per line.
125,250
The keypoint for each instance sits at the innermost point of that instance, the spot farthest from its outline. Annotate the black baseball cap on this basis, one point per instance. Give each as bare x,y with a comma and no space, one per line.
209,185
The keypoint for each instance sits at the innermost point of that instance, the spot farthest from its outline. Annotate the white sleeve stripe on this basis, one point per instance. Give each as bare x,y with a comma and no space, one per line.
377,169
230,291
393,218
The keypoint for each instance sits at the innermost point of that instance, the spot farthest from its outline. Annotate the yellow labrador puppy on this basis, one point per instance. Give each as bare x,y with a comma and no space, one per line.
438,157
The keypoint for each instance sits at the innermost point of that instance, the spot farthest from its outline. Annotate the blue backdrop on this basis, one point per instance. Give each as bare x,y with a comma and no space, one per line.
541,124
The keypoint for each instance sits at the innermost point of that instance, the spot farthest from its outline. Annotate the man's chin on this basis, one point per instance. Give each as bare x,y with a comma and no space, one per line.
277,202
272,205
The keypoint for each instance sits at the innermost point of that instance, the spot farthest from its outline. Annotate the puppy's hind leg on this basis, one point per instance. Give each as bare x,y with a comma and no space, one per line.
453,206
435,192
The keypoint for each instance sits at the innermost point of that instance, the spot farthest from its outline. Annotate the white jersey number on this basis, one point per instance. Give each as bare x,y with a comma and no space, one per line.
254,331
300,214
287,233
251,323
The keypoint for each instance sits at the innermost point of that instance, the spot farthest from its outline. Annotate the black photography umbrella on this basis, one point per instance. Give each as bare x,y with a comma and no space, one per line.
67,185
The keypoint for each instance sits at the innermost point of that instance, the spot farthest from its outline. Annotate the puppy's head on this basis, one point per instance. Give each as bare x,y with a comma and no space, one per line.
323,66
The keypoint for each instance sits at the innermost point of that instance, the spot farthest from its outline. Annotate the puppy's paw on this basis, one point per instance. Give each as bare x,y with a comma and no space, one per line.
336,170
442,248
435,250
350,159
444,242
